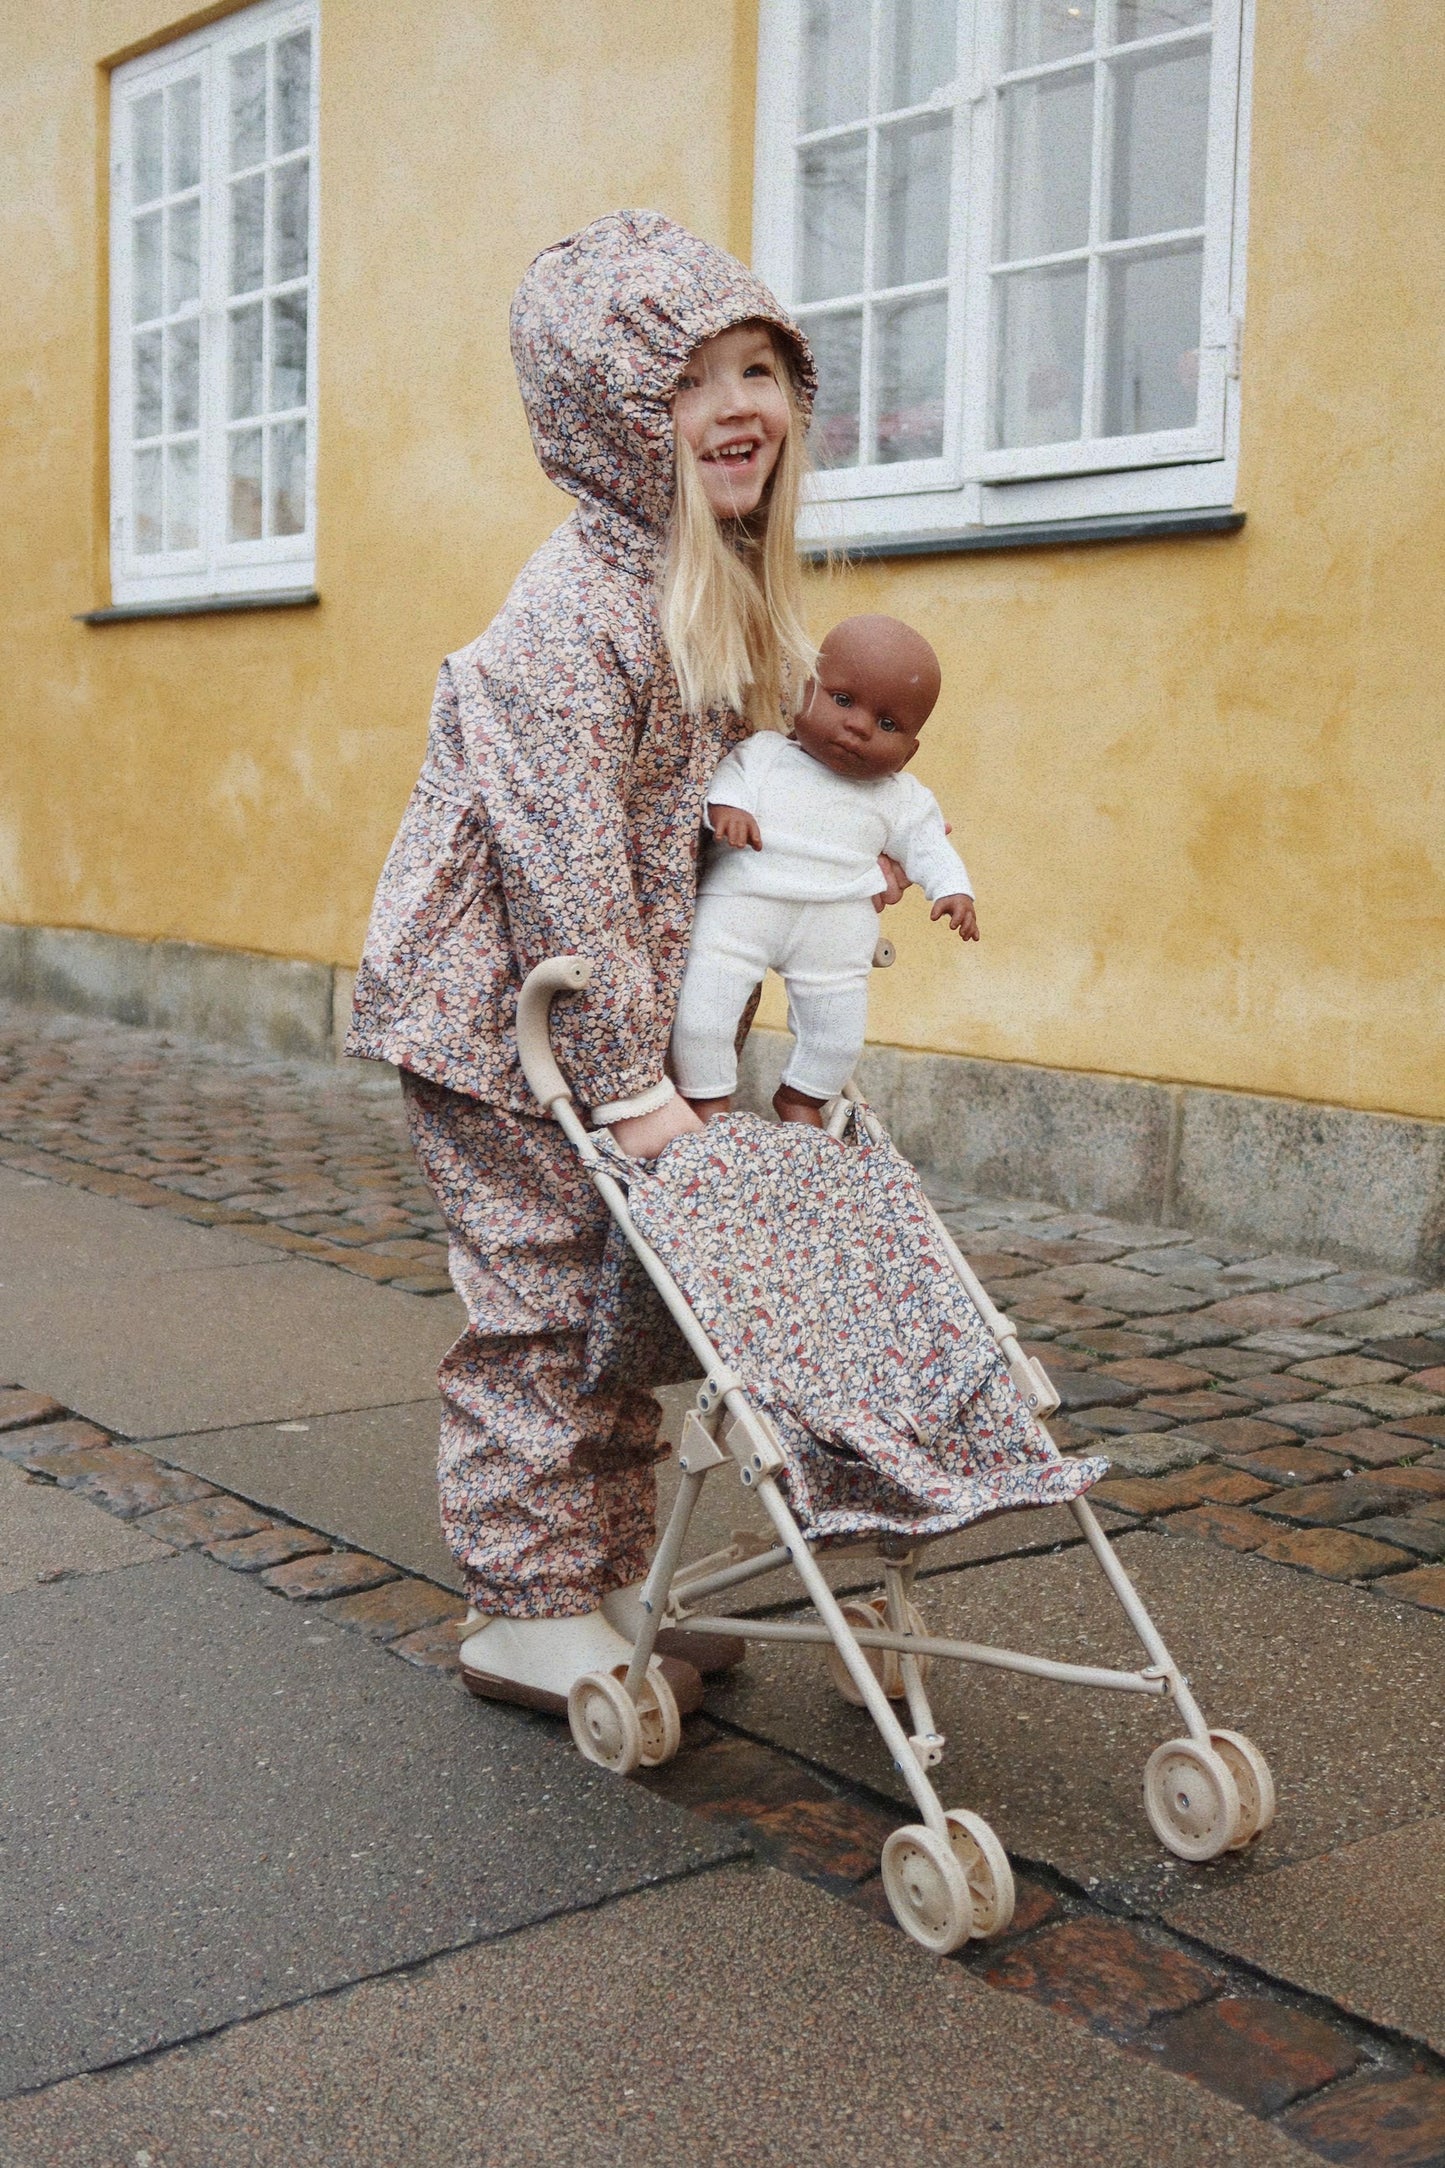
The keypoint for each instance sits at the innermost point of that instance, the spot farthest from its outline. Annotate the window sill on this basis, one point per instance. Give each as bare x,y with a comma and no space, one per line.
1046,534
120,613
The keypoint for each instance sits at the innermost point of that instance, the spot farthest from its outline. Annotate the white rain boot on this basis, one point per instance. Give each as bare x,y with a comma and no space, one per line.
536,1660
706,1653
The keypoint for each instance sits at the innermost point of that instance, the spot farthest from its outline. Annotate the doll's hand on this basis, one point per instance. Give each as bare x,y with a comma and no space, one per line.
895,882
642,1136
960,913
731,825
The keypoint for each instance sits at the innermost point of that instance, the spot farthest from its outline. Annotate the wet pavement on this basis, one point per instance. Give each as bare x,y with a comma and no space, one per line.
298,1901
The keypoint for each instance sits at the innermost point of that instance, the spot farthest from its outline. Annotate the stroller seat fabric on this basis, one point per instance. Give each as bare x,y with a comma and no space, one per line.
816,1271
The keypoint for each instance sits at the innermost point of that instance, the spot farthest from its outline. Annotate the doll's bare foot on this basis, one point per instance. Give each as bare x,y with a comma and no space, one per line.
705,1109
795,1106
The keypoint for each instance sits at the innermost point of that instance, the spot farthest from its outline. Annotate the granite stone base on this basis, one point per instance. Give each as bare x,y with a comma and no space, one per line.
265,1004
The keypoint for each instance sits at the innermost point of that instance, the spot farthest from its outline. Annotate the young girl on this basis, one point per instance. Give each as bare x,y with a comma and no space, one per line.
557,813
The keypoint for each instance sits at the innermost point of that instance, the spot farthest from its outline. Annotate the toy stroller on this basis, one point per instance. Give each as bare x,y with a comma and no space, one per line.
947,1876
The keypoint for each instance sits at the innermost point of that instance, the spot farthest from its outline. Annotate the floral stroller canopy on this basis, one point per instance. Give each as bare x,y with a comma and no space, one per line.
815,1269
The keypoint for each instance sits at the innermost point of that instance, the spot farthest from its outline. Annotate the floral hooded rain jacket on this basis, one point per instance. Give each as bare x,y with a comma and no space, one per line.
559,804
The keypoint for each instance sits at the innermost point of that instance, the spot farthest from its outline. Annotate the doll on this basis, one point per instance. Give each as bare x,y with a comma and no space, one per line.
800,823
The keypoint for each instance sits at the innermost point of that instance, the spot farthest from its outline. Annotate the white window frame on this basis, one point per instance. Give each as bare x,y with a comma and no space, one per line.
218,567
910,504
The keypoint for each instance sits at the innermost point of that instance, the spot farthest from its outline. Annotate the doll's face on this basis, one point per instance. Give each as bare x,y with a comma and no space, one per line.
875,688
731,408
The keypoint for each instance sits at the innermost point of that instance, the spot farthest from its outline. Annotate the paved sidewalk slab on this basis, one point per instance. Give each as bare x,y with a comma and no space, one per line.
49,1534
245,1804
741,2017
1058,1770
52,1236
159,1338
367,1478
1365,1927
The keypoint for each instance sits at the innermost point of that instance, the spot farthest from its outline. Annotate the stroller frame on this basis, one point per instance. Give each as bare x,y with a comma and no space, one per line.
947,1877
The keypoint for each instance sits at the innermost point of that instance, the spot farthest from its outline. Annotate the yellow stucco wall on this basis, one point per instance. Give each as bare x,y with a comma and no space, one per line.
1199,782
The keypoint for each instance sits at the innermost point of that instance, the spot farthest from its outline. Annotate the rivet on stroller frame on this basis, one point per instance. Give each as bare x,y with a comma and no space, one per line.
947,1875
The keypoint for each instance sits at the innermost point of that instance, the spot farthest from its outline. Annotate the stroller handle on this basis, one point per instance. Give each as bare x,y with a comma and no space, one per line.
558,975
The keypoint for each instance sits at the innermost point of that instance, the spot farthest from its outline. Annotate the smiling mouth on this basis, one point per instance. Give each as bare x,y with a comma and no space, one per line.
733,457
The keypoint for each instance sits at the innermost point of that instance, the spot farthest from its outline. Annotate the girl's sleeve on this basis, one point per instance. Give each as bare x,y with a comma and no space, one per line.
551,746
919,841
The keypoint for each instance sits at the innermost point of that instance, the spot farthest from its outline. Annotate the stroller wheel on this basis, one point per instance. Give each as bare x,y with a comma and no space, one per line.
986,1870
881,1662
605,1723
660,1718
1255,1785
1191,1799
928,1889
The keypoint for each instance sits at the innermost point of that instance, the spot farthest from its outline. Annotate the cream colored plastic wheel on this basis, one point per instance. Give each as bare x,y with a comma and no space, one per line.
986,1870
606,1726
928,1889
1191,1799
657,1713
1255,1785
858,1614
883,1664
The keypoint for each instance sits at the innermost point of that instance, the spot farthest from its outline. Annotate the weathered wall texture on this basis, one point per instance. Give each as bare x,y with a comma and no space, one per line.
1199,782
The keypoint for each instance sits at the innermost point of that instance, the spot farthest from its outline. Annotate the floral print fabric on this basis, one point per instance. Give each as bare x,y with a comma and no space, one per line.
817,1274
559,804
545,1475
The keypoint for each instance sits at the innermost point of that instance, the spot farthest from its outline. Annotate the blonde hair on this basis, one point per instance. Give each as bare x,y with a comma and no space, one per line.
732,591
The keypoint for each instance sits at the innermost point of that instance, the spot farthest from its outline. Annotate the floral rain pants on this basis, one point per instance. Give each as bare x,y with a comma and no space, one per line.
548,1495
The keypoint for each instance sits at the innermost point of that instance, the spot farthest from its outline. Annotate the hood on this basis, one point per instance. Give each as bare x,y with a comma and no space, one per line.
601,326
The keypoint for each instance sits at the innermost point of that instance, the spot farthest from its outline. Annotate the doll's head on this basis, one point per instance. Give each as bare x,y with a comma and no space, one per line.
874,688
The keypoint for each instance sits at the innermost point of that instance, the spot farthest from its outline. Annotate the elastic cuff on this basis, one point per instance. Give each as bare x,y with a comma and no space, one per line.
628,1110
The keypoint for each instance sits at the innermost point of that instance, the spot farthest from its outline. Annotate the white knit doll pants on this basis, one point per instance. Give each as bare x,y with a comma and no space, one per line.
824,952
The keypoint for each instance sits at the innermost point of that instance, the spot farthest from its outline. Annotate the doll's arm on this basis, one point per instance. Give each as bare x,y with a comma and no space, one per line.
731,825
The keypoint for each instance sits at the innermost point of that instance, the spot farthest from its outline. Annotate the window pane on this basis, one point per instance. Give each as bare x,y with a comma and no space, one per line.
914,171
830,245
148,384
1151,367
244,491
1039,356
1048,136
288,478
245,359
1040,30
290,189
835,62
184,100
1147,18
910,342
183,253
248,108
1161,135
147,131
838,349
288,352
293,92
182,468
248,233
183,374
146,267
146,501
920,50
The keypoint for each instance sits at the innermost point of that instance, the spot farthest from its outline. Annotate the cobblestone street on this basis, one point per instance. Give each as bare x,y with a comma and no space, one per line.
1276,1427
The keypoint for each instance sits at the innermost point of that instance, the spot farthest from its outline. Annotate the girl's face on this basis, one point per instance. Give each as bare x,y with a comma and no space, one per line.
731,409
